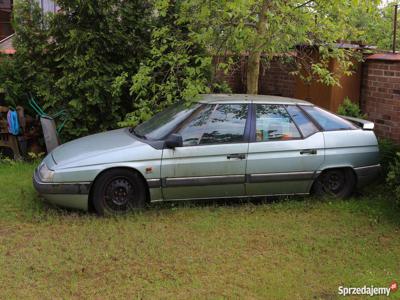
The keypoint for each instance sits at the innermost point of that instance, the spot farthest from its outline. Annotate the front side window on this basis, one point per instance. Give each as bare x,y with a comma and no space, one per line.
226,125
193,129
164,122
305,125
273,123
215,124
327,120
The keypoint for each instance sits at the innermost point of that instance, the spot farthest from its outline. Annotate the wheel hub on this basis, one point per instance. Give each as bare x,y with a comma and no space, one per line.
334,182
119,194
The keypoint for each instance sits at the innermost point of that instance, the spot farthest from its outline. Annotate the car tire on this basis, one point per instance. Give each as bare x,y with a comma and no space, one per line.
337,183
118,191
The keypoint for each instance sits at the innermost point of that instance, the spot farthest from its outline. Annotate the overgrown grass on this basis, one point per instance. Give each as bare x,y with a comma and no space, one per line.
287,249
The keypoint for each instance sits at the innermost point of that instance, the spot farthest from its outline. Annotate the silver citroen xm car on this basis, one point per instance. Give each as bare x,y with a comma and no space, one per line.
222,146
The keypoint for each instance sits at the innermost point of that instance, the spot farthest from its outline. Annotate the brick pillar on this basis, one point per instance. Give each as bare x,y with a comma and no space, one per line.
380,94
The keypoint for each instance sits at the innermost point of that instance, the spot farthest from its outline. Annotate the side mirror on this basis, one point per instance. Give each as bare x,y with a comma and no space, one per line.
174,140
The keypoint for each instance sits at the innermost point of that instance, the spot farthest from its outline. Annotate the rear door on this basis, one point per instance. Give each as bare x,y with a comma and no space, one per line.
285,151
212,161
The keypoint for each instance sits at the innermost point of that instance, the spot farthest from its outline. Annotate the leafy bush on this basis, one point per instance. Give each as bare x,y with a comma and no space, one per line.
387,151
350,109
390,161
78,59
104,60
177,69
393,177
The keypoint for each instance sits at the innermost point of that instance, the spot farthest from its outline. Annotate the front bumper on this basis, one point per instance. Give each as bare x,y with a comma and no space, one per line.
368,174
69,194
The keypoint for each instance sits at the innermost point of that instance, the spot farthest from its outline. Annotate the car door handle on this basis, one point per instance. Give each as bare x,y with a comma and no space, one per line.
308,151
236,155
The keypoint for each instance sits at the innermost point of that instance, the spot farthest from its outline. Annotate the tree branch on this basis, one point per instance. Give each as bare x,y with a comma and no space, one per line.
304,4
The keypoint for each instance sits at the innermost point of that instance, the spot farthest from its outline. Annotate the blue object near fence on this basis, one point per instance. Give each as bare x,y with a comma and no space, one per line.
13,123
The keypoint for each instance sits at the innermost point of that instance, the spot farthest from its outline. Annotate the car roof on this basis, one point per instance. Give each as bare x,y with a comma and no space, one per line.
245,98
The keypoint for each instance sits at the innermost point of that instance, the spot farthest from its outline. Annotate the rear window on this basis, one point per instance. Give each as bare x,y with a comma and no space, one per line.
327,120
307,127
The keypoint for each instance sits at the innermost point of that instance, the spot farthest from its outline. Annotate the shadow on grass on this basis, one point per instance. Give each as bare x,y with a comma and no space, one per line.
375,201
223,202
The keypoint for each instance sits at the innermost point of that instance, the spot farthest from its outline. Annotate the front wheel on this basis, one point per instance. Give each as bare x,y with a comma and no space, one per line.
339,183
118,191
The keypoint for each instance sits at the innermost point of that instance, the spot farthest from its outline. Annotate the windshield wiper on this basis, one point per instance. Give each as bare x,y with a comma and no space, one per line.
142,136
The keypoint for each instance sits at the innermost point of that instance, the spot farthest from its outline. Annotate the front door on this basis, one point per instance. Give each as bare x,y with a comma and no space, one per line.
212,161
285,152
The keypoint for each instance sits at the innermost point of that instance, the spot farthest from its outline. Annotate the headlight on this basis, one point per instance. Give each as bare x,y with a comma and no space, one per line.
45,173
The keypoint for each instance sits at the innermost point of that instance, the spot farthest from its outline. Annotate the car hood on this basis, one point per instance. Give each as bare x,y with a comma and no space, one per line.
94,145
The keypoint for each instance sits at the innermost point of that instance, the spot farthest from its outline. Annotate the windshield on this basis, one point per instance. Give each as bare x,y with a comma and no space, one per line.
159,126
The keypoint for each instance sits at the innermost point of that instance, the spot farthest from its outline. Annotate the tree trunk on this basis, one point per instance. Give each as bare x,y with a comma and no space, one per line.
253,62
253,72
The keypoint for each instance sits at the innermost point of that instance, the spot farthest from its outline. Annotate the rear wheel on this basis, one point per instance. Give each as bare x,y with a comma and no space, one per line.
118,192
338,183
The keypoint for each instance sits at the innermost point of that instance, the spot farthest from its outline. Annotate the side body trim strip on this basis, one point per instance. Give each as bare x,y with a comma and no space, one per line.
230,179
256,178
154,183
206,180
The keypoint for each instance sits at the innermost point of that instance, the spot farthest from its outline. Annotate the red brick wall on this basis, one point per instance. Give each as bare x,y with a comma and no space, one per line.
274,78
380,91
380,96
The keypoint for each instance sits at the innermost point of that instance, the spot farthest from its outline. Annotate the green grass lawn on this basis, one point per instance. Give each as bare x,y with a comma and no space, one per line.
288,249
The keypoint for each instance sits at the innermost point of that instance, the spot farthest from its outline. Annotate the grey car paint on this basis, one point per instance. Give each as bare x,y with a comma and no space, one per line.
84,159
270,163
197,162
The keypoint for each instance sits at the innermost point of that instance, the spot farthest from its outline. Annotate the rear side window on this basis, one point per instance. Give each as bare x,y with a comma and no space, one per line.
327,120
305,125
273,123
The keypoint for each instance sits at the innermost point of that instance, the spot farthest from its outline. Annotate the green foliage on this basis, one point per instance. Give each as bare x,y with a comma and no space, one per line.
12,79
350,109
373,24
393,177
6,160
25,71
234,27
191,249
103,60
78,59
387,150
177,69
187,33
